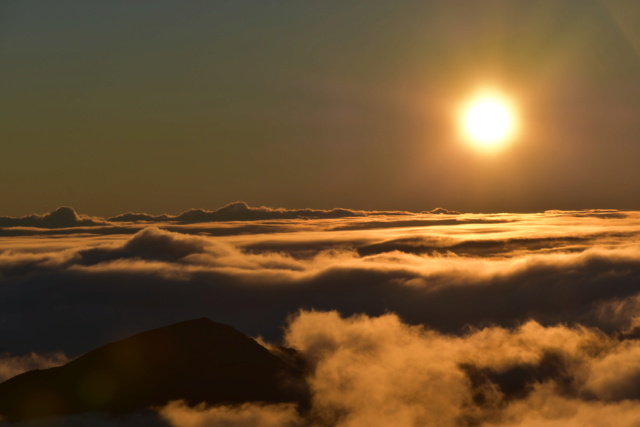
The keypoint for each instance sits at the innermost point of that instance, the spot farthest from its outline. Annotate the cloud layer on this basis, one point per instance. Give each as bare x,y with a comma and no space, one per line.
63,217
483,320
58,218
381,371
75,290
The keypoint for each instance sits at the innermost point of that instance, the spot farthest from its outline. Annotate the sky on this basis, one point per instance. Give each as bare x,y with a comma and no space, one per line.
163,106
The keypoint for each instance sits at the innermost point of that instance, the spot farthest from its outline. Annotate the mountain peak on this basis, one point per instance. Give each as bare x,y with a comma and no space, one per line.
197,361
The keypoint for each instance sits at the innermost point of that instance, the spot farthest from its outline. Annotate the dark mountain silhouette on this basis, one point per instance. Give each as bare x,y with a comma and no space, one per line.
197,361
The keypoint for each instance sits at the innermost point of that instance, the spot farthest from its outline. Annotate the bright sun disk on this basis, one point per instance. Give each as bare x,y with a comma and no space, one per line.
488,121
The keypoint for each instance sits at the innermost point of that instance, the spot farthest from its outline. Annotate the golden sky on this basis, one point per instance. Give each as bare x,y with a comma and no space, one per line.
163,106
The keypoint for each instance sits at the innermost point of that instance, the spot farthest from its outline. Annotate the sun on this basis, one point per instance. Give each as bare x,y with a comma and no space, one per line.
488,120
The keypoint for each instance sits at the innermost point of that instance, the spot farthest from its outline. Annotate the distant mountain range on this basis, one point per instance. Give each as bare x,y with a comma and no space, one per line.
195,361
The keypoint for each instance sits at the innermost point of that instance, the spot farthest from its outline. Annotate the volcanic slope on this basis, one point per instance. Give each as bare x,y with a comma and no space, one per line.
196,361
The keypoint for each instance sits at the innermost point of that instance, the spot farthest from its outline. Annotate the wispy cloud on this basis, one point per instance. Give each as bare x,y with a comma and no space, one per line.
11,365
179,414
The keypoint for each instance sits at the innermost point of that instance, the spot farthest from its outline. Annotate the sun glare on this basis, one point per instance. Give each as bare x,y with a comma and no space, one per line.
488,121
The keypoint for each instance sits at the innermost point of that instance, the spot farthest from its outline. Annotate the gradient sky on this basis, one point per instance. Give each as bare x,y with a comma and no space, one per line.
114,106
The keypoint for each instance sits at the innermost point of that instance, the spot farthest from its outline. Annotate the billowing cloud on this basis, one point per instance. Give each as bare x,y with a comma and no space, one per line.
73,292
152,244
381,371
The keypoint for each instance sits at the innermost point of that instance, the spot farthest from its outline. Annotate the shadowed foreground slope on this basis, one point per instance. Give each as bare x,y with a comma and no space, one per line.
197,361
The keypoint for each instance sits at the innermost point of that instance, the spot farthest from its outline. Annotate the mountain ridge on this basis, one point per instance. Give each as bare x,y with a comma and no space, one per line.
196,361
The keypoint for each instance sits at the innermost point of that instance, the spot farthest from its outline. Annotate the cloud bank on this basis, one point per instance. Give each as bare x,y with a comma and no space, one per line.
58,218
461,319
76,290
71,222
381,371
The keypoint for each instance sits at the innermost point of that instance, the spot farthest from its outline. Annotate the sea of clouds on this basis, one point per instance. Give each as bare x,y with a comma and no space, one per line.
411,319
